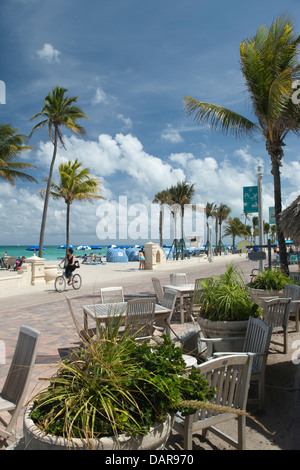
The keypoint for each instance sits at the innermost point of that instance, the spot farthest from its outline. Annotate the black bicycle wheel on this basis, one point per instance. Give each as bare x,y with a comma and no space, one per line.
60,283
76,281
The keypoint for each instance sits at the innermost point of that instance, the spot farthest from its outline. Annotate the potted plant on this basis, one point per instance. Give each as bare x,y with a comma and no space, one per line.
269,283
113,395
225,307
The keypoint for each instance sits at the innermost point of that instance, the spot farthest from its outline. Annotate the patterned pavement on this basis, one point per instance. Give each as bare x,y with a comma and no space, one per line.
53,320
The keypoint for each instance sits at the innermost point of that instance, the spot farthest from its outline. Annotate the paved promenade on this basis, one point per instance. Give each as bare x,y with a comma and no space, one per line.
46,310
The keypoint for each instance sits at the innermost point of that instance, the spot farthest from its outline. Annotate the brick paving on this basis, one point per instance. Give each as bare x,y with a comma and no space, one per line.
53,320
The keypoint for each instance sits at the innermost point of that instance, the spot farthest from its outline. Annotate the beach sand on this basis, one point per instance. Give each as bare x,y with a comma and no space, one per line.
41,307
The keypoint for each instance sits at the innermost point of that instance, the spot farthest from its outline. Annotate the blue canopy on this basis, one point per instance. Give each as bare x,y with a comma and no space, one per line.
132,254
116,255
34,248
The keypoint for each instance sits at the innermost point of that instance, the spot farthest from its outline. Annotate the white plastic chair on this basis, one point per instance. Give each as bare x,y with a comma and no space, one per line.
230,376
15,388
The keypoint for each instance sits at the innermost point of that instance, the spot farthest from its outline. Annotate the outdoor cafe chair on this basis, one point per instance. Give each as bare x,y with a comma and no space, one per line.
111,295
178,278
139,319
84,335
158,289
256,341
276,314
230,376
13,394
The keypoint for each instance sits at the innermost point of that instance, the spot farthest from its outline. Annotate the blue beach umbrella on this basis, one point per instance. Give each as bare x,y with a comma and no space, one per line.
65,246
34,248
96,247
84,247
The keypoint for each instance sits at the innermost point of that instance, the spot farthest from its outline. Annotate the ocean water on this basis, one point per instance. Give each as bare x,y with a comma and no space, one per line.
50,253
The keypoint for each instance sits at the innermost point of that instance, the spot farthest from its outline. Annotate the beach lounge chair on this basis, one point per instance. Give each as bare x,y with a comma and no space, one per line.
13,394
230,375
111,295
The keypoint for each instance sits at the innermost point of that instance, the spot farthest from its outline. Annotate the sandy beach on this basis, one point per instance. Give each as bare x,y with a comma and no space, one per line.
46,310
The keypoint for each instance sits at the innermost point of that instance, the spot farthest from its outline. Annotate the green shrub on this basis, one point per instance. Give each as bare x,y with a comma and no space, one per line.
226,298
111,387
271,280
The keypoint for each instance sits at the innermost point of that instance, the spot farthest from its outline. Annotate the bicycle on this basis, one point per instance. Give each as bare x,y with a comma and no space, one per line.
61,282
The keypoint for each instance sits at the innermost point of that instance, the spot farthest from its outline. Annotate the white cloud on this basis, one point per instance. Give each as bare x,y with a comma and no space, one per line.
171,135
127,122
48,53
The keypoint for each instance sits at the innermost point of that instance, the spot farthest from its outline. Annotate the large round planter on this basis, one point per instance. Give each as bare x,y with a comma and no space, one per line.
258,294
224,329
156,439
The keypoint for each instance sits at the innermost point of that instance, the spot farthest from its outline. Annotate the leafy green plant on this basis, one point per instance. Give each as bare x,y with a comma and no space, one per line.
114,387
225,297
271,280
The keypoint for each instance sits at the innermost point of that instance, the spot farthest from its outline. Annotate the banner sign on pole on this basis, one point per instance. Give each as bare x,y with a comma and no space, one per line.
250,199
272,219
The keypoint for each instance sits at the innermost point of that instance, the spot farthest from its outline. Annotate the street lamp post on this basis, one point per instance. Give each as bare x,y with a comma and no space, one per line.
210,255
260,172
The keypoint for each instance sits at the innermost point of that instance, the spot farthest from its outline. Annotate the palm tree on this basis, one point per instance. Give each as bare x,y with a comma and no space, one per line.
182,194
222,213
11,146
58,111
235,228
269,64
163,197
266,230
209,212
75,185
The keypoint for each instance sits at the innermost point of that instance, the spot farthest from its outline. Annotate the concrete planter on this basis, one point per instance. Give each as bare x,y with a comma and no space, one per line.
156,439
257,294
223,329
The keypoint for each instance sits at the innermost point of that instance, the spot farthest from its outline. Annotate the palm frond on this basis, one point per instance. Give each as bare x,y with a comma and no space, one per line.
219,118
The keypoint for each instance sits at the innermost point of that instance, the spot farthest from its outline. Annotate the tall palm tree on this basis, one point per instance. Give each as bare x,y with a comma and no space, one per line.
58,111
11,147
75,185
163,197
182,194
222,213
209,212
269,64
255,227
234,228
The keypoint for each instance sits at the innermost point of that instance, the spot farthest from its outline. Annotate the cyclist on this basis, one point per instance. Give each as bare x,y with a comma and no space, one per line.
69,261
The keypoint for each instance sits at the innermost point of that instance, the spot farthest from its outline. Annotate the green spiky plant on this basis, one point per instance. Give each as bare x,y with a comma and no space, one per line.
225,297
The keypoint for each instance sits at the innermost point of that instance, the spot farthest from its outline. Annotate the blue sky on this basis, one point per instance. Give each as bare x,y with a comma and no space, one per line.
131,63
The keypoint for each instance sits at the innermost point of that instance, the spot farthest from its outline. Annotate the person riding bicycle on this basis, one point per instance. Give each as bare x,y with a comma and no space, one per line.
69,261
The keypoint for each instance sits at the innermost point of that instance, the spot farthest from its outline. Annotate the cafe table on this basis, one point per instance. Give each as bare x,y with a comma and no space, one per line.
102,312
182,290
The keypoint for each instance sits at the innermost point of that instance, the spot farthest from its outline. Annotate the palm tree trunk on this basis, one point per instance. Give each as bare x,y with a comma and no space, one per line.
47,196
161,225
276,153
68,226
182,214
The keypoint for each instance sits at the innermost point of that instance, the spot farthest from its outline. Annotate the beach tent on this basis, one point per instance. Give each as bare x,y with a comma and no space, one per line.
116,255
132,254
